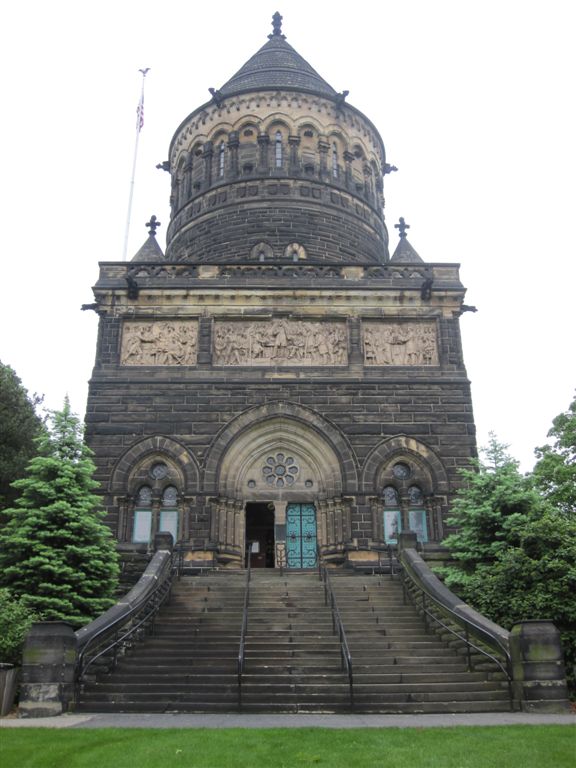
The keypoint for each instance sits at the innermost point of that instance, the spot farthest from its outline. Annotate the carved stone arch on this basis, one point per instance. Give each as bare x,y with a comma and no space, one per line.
293,424
220,132
374,472
129,468
248,122
308,123
277,122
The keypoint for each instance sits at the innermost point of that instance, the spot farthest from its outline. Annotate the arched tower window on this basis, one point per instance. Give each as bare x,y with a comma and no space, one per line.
404,500
221,159
278,150
169,512
417,513
334,160
143,516
392,515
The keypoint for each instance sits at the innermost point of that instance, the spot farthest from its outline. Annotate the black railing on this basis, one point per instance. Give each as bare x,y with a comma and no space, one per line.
243,631
478,636
105,639
338,628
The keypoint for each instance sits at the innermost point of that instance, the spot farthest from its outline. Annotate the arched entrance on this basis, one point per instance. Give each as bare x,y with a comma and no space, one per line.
282,467
260,544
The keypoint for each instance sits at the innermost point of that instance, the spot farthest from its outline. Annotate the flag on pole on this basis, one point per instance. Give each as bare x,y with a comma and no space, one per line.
140,114
140,107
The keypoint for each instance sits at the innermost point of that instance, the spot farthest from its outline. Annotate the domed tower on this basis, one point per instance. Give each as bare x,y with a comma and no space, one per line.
277,151
275,384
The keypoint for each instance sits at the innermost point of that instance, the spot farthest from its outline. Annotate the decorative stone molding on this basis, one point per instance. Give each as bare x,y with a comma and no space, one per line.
400,344
280,342
171,342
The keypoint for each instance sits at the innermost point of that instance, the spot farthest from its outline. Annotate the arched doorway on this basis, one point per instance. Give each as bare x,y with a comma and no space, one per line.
284,468
259,550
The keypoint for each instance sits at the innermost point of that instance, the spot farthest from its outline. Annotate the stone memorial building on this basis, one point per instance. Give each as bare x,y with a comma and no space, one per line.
277,382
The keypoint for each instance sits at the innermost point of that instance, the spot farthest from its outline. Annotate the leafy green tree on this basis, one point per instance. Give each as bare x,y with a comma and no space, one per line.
19,426
555,471
56,553
490,510
515,550
15,621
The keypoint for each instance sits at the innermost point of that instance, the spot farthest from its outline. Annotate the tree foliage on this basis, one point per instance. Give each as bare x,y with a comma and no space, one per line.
19,426
15,621
515,544
555,471
55,551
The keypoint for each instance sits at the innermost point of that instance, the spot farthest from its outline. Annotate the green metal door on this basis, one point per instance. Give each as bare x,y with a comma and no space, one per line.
301,550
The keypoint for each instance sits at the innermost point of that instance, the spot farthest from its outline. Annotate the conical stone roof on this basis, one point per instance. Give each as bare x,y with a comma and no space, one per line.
277,66
405,253
150,251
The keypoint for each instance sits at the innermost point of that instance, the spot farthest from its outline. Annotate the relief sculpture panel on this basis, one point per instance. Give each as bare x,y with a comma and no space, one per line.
280,342
400,344
171,342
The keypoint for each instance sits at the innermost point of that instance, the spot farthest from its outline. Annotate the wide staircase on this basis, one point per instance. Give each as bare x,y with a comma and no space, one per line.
293,657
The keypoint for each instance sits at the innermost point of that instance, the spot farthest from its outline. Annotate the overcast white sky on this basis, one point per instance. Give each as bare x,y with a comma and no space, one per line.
476,105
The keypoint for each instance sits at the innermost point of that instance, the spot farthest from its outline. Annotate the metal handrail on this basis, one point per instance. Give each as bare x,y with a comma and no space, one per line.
410,585
243,631
110,638
338,627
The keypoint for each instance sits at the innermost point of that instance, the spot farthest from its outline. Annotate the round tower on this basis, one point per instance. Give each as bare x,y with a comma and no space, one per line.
275,167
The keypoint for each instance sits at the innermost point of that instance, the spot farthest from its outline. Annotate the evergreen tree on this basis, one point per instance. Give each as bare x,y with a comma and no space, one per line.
490,509
515,550
19,426
55,551
555,471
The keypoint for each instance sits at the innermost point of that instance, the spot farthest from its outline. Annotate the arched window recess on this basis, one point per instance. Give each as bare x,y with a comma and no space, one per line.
155,512
404,503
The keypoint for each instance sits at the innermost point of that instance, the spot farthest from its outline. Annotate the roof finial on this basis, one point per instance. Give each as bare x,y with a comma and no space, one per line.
153,224
277,27
402,227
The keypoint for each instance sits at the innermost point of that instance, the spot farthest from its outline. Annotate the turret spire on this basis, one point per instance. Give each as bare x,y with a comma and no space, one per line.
277,27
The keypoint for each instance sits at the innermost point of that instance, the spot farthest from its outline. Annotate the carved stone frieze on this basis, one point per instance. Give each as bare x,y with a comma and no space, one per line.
280,342
169,342
402,343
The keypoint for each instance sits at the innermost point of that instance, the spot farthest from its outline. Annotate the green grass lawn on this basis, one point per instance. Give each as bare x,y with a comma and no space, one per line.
518,746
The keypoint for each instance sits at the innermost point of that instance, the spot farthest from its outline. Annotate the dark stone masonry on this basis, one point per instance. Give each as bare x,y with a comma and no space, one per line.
277,382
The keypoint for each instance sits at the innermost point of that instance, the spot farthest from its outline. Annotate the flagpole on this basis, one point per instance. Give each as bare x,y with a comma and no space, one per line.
139,124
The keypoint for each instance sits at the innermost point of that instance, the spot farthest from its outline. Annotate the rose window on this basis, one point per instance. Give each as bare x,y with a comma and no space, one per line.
280,470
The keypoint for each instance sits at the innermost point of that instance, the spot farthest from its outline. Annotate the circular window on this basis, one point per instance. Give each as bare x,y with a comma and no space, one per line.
401,470
308,483
280,470
251,483
159,470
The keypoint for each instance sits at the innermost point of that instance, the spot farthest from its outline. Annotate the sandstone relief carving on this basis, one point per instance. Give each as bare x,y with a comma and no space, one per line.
400,344
280,342
171,342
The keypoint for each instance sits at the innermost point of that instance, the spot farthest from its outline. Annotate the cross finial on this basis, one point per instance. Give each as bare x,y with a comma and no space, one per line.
402,227
277,27
153,224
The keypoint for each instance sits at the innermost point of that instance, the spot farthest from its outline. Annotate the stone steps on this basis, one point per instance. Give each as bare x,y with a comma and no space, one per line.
292,658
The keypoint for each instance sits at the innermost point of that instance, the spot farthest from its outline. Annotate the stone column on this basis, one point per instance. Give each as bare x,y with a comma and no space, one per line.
48,669
205,342
280,533
323,147
538,667
264,146
233,143
348,158
294,143
377,509
208,152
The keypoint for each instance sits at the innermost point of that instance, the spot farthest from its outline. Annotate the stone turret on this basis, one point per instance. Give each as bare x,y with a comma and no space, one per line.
274,152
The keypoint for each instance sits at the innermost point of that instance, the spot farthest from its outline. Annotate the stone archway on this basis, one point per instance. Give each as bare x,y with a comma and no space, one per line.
283,461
